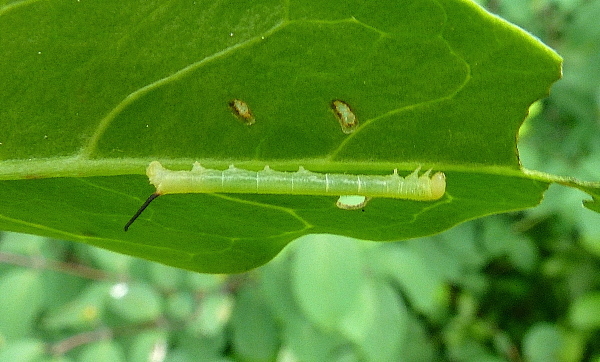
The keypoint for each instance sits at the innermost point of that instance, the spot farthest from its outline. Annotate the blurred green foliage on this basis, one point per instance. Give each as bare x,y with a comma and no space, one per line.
517,287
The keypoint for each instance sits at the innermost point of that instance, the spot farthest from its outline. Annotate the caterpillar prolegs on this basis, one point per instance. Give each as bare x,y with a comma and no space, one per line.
426,187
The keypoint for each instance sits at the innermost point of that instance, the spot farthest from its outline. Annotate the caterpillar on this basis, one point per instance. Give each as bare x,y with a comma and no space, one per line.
302,182
242,111
345,116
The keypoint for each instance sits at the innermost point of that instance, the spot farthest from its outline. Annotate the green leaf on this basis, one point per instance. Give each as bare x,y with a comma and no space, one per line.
85,311
96,90
306,342
422,285
25,350
214,315
585,312
255,334
146,344
543,342
593,204
139,303
380,332
102,351
180,305
21,302
316,279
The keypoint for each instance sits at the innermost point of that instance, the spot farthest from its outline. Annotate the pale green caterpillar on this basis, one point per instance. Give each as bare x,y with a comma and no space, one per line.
302,182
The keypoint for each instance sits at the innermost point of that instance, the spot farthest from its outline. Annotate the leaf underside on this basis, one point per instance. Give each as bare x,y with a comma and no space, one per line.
96,90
